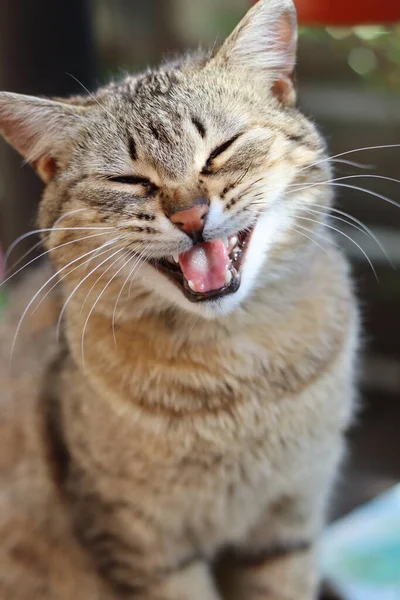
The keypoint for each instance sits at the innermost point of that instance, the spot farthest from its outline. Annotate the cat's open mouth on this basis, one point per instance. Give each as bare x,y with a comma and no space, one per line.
208,270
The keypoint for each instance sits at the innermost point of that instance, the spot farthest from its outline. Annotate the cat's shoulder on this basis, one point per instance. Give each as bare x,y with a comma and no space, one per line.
36,550
37,325
33,346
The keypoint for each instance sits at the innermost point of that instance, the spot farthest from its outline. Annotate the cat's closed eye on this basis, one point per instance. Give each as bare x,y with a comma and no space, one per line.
147,186
217,152
130,180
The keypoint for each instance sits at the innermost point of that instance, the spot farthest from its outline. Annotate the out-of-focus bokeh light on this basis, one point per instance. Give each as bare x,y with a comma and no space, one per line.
371,52
370,32
362,60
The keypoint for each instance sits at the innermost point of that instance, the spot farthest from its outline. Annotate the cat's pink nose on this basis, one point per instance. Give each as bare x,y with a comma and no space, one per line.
191,220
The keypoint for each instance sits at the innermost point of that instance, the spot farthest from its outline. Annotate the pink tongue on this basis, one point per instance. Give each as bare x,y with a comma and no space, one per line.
205,265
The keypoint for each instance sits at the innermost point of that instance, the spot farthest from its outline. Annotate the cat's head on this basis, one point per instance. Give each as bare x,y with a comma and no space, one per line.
190,168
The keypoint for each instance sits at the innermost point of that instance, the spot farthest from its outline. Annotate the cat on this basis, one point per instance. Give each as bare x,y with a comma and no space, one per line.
181,439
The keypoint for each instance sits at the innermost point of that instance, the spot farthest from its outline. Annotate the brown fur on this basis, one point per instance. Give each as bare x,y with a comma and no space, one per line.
192,455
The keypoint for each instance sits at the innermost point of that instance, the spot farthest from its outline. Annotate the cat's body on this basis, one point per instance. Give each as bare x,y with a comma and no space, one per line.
171,442
188,480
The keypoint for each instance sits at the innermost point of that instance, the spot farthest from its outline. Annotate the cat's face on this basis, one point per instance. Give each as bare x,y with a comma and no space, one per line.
188,167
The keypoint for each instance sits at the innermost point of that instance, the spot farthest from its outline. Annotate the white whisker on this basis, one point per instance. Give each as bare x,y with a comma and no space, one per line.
343,178
330,158
94,306
39,291
296,227
362,227
86,237
338,183
50,229
39,243
66,275
25,235
95,99
98,279
139,263
346,236
351,163
370,192
354,187
134,256
78,286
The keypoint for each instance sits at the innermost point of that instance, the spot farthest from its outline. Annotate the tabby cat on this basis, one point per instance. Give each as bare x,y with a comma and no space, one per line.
181,439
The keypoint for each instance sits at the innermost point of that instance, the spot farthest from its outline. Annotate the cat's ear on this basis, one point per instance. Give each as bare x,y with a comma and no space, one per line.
37,128
265,41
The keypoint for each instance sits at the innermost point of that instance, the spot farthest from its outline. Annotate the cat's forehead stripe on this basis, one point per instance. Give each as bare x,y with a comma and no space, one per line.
199,126
132,149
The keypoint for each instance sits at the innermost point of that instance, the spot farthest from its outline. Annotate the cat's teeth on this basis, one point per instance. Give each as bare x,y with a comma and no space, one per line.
226,242
228,277
175,257
234,240
191,285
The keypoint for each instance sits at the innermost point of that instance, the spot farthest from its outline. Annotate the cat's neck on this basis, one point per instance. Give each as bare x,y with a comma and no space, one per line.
175,361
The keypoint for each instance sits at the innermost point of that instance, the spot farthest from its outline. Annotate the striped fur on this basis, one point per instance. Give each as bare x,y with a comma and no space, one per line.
189,451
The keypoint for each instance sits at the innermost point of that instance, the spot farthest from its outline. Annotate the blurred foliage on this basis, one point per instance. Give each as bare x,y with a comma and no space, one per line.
371,52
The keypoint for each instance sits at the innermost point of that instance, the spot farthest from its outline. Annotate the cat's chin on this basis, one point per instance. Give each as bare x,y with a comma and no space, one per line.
236,247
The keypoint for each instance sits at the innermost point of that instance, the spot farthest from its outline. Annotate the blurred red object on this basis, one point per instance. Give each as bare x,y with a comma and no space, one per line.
347,12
